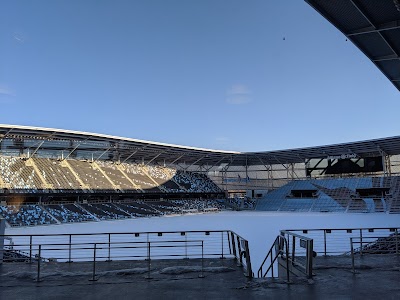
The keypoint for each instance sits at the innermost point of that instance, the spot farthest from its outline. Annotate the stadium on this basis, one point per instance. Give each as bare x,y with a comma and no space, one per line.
117,205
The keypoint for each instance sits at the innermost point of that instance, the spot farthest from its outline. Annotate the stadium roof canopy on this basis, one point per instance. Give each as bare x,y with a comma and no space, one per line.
13,137
372,25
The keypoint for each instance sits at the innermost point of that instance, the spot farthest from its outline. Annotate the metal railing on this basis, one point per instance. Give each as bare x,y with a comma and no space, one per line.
291,252
335,241
374,245
41,248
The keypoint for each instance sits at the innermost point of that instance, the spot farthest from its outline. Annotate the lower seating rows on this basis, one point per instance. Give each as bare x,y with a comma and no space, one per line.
35,214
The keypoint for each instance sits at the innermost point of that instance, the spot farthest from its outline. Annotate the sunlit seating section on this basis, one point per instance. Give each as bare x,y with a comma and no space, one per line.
60,177
25,215
69,213
17,175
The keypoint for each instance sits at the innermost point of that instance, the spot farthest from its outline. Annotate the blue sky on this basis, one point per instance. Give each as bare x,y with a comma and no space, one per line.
223,74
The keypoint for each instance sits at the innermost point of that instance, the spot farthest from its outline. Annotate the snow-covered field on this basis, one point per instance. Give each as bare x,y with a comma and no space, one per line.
259,228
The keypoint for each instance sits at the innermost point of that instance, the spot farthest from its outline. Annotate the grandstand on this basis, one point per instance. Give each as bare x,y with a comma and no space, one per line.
51,176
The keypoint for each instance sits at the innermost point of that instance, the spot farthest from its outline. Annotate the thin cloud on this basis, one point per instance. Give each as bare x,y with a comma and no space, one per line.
6,95
19,37
238,94
5,91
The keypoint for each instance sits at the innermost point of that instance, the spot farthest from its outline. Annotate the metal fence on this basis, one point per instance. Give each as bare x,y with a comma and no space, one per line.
290,252
42,248
330,242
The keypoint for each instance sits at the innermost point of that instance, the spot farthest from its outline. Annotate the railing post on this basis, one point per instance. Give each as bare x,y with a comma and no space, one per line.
397,241
202,260
229,243
39,261
310,252
248,261
70,249
186,253
94,263
30,249
293,248
352,255
287,259
361,243
272,266
109,247
148,262
222,245
240,262
324,242
233,245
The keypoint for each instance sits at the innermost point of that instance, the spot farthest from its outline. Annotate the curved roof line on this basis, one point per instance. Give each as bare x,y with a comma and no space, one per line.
171,152
91,134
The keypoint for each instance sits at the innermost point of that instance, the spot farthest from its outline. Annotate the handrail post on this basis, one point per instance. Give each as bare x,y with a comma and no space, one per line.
30,249
287,260
109,247
222,245
70,249
293,248
229,242
352,255
272,264
310,252
148,261
94,264
186,253
38,266
233,245
202,260
240,262
361,243
248,261
324,242
397,241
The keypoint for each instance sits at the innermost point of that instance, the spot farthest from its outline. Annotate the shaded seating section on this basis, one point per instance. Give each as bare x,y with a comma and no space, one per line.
34,214
137,174
26,215
195,182
55,174
116,175
199,205
105,211
90,176
336,195
164,177
164,207
138,209
69,213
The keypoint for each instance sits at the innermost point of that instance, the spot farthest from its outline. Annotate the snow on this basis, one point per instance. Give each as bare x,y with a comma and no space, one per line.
259,228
